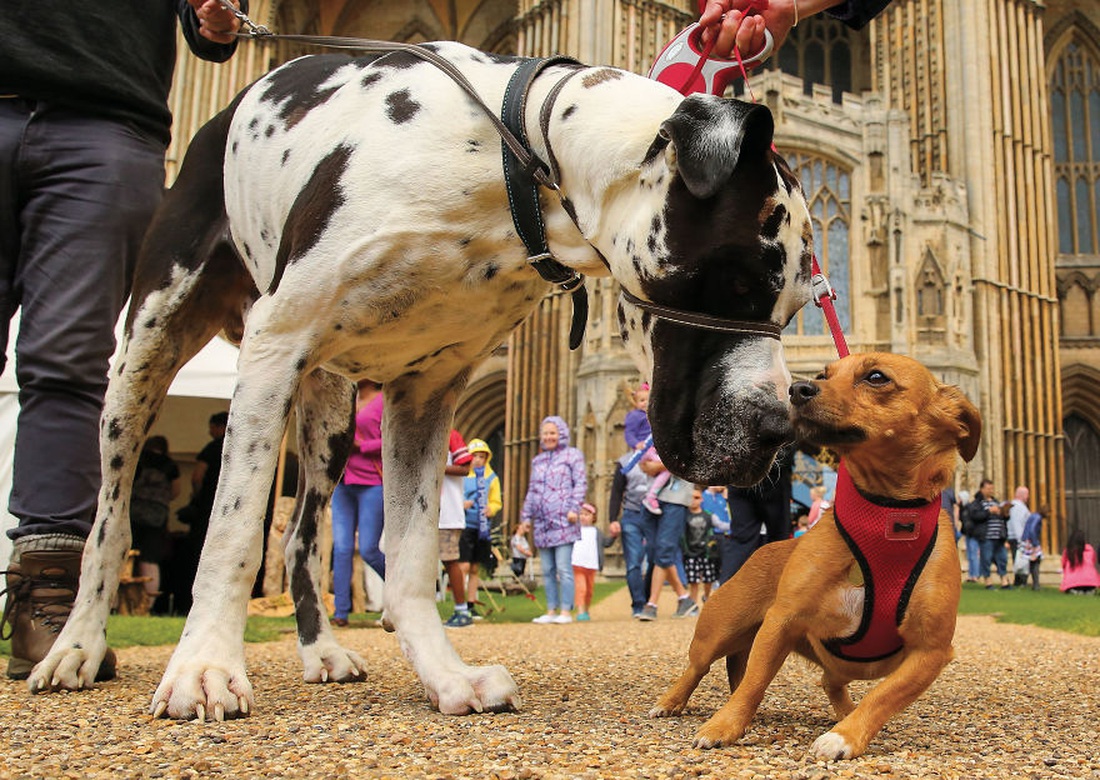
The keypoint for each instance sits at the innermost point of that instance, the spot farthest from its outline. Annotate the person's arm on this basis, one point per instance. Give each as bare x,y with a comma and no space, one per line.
618,487
580,484
209,28
494,500
534,490
197,474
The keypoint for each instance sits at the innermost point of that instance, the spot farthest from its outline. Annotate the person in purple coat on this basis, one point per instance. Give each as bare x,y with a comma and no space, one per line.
556,490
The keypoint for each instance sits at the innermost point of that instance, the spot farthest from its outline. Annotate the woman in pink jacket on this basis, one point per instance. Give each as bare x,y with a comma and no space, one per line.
1079,573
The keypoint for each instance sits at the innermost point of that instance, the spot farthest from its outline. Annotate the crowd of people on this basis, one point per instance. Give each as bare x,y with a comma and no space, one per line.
1003,542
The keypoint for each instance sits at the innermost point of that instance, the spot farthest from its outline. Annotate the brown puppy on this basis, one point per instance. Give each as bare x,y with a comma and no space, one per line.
897,430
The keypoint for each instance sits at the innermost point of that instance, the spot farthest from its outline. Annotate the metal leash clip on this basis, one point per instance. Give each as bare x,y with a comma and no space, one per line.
254,30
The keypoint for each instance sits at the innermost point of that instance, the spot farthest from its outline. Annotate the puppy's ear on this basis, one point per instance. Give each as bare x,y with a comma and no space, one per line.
967,419
710,135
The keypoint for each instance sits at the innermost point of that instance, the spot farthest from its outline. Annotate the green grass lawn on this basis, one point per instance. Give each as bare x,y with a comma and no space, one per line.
1047,608
127,631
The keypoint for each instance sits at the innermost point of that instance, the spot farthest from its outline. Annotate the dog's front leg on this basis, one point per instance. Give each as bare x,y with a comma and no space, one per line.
325,416
895,692
416,427
775,640
206,674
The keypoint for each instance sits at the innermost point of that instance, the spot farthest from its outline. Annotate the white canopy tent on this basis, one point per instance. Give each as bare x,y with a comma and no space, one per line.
202,387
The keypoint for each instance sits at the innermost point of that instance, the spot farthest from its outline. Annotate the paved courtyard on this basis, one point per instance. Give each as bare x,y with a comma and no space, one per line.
1018,702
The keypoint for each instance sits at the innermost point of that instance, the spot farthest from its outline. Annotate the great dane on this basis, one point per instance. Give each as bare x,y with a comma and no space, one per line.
347,218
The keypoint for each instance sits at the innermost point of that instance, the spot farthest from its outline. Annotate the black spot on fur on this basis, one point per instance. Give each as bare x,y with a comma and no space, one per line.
400,107
269,131
116,463
422,502
294,89
491,271
306,608
775,220
114,429
473,146
568,112
151,322
286,156
315,205
370,79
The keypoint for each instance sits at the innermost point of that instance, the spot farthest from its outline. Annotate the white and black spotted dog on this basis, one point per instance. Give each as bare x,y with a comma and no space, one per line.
350,214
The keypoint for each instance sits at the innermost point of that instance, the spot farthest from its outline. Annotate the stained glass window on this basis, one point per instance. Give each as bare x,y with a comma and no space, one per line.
1075,124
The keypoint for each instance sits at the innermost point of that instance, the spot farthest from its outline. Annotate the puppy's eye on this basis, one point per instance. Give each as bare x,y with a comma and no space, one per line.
821,376
876,378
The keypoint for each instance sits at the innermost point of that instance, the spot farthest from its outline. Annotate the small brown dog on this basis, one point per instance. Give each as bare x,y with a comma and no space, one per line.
873,589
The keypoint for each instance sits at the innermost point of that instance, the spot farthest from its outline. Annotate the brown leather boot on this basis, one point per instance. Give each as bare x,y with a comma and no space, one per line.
41,588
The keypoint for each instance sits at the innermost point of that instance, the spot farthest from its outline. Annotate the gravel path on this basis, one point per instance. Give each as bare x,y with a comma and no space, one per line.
1018,702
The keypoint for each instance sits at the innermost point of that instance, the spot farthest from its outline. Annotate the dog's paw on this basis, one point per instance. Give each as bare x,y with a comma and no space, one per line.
663,710
67,668
475,689
715,734
329,662
194,690
831,746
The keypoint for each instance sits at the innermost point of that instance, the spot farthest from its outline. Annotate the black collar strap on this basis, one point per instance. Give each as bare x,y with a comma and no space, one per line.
705,321
523,181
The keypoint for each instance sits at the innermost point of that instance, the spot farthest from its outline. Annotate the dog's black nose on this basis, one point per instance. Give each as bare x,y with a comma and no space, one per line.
802,392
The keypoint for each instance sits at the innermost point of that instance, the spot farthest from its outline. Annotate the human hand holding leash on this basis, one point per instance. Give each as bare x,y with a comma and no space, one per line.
216,22
741,23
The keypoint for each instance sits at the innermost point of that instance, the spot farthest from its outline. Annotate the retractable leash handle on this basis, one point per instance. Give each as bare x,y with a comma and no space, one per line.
685,63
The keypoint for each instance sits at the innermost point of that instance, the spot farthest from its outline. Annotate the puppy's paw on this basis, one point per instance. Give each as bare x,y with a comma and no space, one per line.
716,733
329,662
664,710
475,689
831,746
198,690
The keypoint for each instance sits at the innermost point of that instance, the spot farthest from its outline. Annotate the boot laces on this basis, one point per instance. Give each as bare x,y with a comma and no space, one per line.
50,611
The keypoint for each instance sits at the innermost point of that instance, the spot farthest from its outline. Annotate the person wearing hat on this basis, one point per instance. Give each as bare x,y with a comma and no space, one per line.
483,502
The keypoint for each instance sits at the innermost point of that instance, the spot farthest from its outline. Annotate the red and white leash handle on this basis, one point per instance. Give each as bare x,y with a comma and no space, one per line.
685,63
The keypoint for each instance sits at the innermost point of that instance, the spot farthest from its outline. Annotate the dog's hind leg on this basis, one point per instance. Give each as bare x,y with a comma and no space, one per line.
839,695
725,628
326,422
415,433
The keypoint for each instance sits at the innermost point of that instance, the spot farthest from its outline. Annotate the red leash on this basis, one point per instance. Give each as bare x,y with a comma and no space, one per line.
672,62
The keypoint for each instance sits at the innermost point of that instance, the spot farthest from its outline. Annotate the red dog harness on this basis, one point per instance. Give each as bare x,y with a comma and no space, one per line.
891,541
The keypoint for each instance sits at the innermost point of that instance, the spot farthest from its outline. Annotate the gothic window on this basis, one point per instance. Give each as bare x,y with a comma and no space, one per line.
1075,122
828,194
1082,453
822,51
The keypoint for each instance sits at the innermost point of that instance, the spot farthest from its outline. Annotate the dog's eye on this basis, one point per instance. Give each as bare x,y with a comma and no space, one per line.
821,377
876,378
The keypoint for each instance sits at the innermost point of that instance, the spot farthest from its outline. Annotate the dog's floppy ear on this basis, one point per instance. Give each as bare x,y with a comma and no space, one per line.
710,135
967,419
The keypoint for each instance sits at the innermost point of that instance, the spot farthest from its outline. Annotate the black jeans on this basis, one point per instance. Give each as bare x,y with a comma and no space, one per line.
76,195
